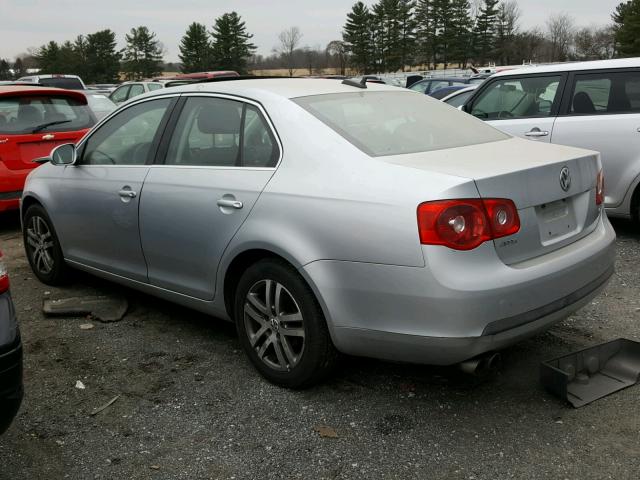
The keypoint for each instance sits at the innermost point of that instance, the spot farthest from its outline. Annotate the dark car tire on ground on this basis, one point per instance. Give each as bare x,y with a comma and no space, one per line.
318,355
59,270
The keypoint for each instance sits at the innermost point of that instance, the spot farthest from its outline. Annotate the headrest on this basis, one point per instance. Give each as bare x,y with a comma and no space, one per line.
582,103
219,117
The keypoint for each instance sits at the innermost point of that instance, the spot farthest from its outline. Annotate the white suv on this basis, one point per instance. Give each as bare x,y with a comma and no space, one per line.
69,82
594,105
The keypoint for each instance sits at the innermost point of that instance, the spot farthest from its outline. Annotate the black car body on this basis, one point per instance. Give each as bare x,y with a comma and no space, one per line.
11,389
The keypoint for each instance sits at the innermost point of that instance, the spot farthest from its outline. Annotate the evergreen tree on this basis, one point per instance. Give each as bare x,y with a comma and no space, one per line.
485,31
18,68
47,58
5,70
195,49
102,58
462,25
426,32
445,26
506,32
231,46
358,39
142,57
68,60
407,24
626,20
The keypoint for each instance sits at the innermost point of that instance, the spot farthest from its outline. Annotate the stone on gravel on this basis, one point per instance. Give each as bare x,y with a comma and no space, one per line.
104,308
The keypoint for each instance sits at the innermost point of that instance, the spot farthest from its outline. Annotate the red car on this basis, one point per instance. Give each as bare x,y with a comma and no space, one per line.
33,120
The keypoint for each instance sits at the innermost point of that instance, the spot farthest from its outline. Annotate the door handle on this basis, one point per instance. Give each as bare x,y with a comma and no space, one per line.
127,194
225,202
536,132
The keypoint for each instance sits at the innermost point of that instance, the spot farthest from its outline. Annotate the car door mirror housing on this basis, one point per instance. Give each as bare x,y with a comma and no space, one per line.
64,154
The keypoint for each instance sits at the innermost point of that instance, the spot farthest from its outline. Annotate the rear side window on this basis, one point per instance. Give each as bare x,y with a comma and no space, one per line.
216,132
38,113
154,86
606,93
393,123
136,89
517,98
62,82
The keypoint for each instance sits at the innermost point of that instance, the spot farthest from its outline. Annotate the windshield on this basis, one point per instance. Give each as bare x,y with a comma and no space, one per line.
22,115
393,123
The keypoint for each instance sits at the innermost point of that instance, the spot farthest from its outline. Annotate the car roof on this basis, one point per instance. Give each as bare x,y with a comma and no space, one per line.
50,75
16,90
285,87
444,79
573,66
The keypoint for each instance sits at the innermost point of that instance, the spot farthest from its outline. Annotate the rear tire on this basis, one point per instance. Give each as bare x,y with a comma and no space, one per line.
42,247
281,326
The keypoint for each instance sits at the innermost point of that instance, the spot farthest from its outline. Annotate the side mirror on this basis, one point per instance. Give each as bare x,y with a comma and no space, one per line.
64,154
461,108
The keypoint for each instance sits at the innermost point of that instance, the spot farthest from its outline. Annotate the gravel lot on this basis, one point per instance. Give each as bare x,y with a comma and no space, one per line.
192,407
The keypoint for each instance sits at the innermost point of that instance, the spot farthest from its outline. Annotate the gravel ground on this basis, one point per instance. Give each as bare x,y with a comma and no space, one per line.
192,407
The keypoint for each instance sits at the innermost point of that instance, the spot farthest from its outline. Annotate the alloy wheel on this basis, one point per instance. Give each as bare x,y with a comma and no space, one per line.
40,242
274,324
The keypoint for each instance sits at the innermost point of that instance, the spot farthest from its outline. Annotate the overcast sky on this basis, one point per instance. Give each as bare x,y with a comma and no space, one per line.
31,23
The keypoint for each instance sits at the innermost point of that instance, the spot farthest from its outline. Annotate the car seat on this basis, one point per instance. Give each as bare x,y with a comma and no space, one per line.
28,117
582,103
219,118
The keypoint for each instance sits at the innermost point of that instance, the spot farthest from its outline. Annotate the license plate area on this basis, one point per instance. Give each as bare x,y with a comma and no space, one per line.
556,220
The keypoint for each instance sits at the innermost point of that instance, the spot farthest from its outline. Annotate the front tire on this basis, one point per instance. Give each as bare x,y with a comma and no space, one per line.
42,247
281,326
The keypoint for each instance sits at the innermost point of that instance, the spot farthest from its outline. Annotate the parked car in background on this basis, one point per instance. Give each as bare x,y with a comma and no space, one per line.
340,216
70,82
103,87
99,103
440,93
33,120
593,105
128,90
459,97
429,85
11,389
201,75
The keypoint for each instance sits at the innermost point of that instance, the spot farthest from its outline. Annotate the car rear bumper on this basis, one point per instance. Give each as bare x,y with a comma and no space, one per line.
460,305
11,389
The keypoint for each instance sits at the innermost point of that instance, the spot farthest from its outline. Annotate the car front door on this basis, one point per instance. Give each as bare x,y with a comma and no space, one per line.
602,113
521,106
99,195
215,164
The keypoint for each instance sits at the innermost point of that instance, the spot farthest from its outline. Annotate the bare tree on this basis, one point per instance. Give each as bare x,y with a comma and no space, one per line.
289,41
336,50
560,32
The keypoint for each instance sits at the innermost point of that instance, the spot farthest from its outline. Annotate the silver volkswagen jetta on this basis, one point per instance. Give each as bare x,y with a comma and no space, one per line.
323,217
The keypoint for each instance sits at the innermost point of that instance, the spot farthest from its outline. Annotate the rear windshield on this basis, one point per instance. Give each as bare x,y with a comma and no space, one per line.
62,82
30,114
394,123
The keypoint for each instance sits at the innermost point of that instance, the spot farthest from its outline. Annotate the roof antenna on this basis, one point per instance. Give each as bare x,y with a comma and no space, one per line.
352,83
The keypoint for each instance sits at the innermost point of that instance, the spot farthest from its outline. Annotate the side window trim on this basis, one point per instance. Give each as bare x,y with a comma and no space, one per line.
555,106
571,87
153,149
161,154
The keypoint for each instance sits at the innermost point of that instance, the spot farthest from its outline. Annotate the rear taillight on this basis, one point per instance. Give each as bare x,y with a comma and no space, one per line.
465,224
600,188
4,276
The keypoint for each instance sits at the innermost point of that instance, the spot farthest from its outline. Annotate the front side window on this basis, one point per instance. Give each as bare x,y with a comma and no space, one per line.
120,94
394,123
517,98
39,113
606,93
216,132
126,138
460,99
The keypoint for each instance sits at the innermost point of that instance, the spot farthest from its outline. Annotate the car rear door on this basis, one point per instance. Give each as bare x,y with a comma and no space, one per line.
98,197
212,169
523,106
601,111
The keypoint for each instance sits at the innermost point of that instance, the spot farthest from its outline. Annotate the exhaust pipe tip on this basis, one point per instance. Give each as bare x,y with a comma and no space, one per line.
482,365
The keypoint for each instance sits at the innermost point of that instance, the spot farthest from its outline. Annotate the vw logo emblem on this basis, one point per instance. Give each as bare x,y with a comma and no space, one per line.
565,179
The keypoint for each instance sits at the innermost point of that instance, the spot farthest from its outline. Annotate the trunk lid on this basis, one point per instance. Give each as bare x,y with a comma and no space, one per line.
528,173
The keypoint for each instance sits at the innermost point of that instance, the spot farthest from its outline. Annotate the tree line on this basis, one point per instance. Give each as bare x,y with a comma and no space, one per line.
388,36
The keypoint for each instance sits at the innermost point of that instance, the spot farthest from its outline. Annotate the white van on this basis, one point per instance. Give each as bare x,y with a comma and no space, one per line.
593,105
